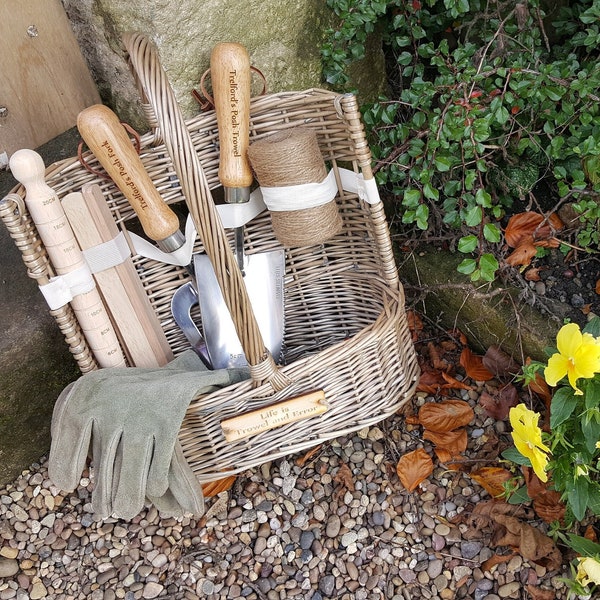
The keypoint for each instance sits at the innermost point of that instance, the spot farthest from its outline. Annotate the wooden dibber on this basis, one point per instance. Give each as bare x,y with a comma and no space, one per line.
53,227
142,336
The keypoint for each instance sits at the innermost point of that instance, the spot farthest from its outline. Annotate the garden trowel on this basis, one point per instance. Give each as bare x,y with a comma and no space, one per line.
263,272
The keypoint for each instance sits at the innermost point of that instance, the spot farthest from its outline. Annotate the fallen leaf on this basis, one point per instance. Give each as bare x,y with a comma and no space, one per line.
491,479
499,362
522,255
344,479
556,222
454,384
528,227
532,274
437,361
453,442
498,404
415,324
598,286
484,513
549,243
473,366
495,560
414,468
546,503
528,541
302,460
446,415
538,593
430,382
590,534
212,488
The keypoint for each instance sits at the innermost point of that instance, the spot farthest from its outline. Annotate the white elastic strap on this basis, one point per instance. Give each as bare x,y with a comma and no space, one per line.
356,183
299,197
182,256
60,290
107,255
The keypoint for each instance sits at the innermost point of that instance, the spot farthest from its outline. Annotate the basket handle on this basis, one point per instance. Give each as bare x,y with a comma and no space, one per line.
145,63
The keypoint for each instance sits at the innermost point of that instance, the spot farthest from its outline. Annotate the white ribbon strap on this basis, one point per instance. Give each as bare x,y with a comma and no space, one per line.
60,290
107,255
356,183
299,197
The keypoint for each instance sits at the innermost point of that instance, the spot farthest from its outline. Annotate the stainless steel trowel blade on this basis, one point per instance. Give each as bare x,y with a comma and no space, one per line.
264,278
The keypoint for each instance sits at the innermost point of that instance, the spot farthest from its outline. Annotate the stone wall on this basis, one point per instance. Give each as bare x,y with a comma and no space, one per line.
283,38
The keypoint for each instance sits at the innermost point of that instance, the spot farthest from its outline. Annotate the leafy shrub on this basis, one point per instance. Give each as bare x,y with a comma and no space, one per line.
487,99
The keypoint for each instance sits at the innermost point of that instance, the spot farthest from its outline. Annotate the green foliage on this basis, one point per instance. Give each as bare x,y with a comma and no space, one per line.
486,101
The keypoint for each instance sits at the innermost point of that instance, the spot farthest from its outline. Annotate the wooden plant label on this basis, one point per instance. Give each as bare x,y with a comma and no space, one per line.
282,413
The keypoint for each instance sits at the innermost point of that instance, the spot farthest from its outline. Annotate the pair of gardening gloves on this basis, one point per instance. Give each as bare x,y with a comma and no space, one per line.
130,419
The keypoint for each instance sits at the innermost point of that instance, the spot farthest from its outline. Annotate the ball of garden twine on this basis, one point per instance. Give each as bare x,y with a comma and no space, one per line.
292,158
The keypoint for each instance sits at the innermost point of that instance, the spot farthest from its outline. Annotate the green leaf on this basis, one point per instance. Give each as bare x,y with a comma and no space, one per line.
583,546
422,216
593,327
592,394
430,192
591,431
577,498
483,198
563,404
520,496
412,198
488,266
491,233
467,266
473,216
515,456
467,244
442,163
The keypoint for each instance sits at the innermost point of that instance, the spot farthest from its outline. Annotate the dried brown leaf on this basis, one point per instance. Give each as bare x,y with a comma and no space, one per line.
521,227
212,488
530,542
522,255
495,560
491,479
499,362
498,404
430,382
473,366
538,593
414,468
454,384
446,415
302,460
344,478
453,442
532,274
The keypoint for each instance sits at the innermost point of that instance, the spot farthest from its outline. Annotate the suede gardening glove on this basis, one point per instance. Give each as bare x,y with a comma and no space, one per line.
132,418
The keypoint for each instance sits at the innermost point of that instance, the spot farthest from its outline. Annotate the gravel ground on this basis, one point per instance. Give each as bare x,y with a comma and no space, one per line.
300,527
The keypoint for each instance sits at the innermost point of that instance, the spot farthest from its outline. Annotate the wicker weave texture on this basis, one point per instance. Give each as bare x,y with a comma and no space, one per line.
346,327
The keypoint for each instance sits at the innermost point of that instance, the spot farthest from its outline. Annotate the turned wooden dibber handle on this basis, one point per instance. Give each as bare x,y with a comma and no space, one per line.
55,231
102,131
230,79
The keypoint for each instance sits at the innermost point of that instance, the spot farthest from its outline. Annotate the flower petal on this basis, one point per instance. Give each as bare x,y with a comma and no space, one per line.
568,339
557,368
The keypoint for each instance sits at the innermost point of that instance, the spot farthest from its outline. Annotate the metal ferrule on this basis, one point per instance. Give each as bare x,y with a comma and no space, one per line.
172,243
237,195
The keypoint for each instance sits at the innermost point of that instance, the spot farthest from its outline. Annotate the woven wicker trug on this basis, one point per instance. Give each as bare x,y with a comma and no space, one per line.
346,330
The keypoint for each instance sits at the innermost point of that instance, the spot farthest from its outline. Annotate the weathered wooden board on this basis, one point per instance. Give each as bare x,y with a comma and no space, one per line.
44,80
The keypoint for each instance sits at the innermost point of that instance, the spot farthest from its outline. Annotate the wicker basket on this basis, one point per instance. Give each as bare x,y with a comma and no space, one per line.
346,329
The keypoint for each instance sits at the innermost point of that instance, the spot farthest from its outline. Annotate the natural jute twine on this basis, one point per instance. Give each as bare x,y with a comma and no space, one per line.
290,158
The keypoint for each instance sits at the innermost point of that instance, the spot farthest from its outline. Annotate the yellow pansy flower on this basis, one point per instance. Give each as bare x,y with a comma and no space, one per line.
578,357
588,571
527,437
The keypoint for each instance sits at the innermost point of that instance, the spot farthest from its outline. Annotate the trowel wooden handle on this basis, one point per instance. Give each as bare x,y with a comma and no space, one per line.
102,131
230,78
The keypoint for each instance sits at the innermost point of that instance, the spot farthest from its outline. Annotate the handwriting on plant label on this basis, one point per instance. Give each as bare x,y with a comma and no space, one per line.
275,415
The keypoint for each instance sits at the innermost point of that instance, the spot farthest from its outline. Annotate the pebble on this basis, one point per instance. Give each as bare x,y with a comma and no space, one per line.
282,531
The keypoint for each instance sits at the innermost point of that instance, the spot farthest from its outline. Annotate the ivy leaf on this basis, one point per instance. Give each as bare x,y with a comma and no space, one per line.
442,163
488,266
467,266
467,244
430,192
412,197
473,216
491,233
